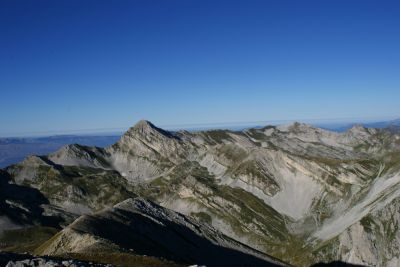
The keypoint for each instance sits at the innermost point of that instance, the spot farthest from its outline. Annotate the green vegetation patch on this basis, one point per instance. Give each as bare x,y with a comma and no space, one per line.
233,152
94,187
256,134
392,161
218,136
202,217
255,171
26,239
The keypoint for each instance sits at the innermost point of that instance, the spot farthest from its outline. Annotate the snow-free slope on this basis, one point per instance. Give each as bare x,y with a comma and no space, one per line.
295,192
144,228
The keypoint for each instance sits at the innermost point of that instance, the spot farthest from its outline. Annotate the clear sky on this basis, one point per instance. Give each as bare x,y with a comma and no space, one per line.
72,65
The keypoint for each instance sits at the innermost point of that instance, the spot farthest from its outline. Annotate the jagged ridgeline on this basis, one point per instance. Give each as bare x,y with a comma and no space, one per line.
299,194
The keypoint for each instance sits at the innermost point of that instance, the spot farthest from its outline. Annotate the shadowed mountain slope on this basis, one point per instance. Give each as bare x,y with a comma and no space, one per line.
148,229
22,205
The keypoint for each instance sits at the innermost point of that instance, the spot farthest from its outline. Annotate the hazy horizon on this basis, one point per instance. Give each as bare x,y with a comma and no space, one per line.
328,123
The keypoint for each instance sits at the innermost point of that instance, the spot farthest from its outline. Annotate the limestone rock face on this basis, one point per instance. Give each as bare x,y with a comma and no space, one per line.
144,152
374,240
77,155
295,192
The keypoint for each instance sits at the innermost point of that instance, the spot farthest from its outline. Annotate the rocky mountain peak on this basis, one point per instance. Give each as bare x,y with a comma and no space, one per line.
146,129
34,160
295,127
144,125
79,155
357,128
358,131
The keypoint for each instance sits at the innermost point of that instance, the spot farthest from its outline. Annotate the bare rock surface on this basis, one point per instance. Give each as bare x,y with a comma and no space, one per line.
25,260
146,228
295,192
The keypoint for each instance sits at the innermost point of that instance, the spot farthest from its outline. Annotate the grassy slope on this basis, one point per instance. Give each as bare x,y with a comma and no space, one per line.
25,240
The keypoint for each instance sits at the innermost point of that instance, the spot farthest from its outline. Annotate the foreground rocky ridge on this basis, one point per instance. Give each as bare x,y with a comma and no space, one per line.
24,260
144,228
296,192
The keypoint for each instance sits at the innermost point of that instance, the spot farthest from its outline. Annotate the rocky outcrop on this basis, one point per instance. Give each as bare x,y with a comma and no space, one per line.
372,241
145,228
296,192
144,152
25,260
77,155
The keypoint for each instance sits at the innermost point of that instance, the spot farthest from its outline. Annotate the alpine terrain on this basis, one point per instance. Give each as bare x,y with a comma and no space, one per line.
272,196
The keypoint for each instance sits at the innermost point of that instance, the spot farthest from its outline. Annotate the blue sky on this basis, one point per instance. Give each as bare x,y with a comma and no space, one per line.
73,65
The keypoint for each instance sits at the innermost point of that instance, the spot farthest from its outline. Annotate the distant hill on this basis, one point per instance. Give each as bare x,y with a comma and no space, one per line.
13,150
342,127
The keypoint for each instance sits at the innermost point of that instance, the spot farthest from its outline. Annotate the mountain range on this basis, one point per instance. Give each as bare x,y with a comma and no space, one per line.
276,195
15,149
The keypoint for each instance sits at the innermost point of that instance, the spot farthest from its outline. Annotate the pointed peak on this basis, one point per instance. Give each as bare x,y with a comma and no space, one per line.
33,160
144,124
144,127
294,127
73,149
357,128
360,130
